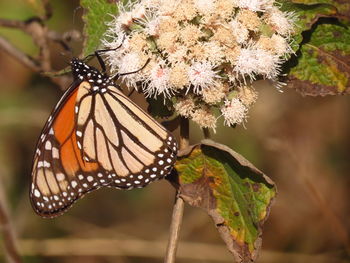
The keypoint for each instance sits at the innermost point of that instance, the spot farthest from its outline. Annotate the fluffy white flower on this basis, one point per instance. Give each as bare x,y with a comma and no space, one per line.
267,64
204,6
114,57
282,22
281,45
179,55
252,61
234,112
255,5
139,11
185,106
128,63
120,41
214,52
202,75
152,4
124,19
240,32
158,82
246,62
204,118
167,7
152,26
196,68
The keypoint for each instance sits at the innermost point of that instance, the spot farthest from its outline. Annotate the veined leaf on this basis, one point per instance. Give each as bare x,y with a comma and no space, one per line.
323,67
233,192
306,17
343,6
96,16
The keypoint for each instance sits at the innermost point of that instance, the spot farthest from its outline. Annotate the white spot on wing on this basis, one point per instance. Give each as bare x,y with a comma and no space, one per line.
48,145
55,153
74,184
37,193
60,177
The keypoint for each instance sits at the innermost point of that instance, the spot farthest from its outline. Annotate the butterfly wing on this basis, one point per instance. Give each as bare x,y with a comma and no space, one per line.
96,139
130,145
59,174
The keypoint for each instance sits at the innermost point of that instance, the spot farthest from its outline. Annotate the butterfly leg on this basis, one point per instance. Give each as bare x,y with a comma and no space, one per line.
118,75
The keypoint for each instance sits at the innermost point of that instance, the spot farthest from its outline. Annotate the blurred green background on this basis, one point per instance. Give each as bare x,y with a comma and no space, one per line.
303,144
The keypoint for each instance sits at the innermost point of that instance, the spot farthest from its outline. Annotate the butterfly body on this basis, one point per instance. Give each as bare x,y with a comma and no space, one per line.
95,137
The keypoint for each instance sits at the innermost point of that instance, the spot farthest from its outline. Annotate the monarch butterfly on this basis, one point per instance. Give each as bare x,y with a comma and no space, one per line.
96,136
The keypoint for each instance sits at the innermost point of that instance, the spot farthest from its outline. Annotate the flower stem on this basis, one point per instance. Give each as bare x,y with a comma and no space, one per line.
206,133
179,204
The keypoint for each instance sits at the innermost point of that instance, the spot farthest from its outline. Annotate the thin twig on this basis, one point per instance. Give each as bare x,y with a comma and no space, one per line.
12,23
7,232
174,230
19,55
179,203
36,28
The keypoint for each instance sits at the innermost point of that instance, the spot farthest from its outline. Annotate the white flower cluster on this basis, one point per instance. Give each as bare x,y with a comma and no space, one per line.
203,54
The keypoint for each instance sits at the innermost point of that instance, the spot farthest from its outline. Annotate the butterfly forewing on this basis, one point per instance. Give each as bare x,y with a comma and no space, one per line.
96,137
60,175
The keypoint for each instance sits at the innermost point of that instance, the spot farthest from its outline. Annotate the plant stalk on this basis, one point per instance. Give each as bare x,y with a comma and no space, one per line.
206,133
179,204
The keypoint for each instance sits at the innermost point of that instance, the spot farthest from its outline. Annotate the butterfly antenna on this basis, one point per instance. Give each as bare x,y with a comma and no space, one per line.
100,51
131,72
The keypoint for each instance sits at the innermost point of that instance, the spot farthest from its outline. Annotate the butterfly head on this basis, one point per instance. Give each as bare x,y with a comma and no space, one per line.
83,72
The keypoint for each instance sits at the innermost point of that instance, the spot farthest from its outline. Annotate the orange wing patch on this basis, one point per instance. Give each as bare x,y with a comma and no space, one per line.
65,121
85,166
71,156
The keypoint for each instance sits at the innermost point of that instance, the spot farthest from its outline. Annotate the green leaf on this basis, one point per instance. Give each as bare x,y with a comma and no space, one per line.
342,6
96,16
233,192
323,65
306,16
